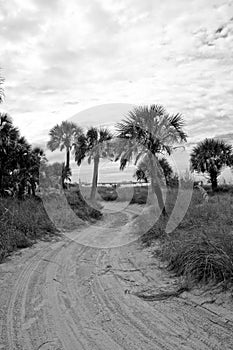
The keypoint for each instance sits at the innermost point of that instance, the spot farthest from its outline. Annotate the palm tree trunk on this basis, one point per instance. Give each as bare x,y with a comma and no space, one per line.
21,191
63,176
214,180
33,187
95,178
1,182
156,186
67,158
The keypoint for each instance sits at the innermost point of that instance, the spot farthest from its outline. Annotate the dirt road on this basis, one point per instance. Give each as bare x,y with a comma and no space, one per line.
64,295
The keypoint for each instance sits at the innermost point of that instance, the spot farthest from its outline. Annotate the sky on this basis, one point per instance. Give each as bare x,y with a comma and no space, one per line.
62,59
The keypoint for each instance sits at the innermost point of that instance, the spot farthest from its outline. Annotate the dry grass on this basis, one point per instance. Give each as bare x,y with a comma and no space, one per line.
201,248
21,223
68,209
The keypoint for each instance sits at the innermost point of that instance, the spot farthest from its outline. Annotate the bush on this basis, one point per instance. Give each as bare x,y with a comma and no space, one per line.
140,195
107,193
80,206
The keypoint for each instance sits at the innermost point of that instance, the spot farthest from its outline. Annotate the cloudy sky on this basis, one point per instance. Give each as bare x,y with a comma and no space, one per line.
61,57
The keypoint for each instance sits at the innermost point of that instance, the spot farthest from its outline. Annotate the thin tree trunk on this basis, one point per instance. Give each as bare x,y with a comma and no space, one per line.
156,186
94,178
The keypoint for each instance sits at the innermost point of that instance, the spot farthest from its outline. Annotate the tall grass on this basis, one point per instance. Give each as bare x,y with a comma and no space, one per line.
21,223
201,248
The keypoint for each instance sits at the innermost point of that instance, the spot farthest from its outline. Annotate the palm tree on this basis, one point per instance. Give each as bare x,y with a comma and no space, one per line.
143,172
9,136
148,132
36,158
210,156
22,166
63,137
94,146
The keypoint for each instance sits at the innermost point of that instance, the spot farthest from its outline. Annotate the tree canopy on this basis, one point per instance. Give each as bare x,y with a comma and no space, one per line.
149,131
209,157
19,162
64,136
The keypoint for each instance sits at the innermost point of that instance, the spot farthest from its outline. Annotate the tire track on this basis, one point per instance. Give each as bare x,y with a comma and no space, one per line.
182,318
68,296
19,289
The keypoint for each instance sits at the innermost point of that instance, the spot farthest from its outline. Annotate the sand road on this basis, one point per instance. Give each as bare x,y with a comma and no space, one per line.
68,296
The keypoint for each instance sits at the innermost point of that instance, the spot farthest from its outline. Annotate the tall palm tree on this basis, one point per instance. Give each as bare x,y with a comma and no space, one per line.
63,137
94,146
209,157
148,132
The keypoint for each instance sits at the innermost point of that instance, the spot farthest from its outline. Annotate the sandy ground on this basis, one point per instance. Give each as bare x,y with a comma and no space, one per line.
65,295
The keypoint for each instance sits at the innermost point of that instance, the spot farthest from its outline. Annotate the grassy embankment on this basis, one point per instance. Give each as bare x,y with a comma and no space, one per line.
200,249
23,222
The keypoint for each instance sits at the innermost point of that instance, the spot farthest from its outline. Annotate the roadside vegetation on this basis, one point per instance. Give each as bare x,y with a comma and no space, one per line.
22,222
200,249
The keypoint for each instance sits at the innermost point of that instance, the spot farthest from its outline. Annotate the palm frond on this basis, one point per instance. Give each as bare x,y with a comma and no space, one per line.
64,135
92,136
104,135
151,129
176,121
80,149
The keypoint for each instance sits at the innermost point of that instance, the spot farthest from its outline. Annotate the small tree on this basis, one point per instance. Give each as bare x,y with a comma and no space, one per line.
209,157
143,172
140,175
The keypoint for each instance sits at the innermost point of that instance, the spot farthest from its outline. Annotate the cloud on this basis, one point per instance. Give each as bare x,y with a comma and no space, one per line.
60,58
225,137
71,102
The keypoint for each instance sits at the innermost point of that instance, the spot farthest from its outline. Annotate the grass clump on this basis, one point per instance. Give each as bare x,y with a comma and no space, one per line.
200,260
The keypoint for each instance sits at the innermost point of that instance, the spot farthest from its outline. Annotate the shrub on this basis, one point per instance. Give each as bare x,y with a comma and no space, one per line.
107,193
